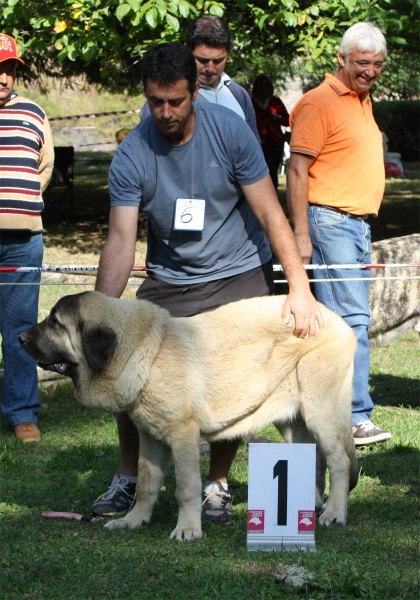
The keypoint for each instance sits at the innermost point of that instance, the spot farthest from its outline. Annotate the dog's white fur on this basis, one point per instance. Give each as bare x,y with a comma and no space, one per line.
218,375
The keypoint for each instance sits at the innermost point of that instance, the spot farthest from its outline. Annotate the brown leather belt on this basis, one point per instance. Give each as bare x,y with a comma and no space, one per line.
342,212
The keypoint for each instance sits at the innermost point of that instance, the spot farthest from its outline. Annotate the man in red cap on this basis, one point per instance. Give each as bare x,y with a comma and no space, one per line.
26,165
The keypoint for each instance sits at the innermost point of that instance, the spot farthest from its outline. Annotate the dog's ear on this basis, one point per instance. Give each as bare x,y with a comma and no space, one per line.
98,345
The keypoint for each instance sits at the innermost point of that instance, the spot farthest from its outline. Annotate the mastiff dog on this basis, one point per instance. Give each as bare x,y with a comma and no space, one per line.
395,303
218,375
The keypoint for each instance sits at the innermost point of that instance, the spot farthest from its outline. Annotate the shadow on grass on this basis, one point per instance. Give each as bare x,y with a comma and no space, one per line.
389,390
390,466
397,217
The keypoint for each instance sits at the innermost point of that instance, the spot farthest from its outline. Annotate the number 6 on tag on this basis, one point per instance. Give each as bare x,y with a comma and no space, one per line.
189,214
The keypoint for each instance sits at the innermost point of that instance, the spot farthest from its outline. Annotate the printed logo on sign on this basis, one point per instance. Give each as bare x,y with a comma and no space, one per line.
306,521
256,521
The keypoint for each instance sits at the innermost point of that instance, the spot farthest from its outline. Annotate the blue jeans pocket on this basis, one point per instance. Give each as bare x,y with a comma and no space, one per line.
324,217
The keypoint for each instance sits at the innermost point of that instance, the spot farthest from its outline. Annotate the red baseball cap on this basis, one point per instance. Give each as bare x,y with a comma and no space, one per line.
8,49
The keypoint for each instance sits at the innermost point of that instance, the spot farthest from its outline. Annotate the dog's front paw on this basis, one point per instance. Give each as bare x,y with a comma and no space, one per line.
124,523
186,534
330,518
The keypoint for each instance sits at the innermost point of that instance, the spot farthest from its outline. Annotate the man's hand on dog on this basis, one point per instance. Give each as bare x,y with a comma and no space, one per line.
303,306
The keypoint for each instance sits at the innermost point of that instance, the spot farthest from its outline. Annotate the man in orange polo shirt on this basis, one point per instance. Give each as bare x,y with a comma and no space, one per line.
336,181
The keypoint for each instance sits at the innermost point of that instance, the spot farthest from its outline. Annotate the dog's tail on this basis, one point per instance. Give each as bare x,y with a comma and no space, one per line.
351,453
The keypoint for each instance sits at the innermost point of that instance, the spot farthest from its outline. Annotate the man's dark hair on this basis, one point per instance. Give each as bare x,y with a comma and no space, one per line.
168,63
262,80
210,31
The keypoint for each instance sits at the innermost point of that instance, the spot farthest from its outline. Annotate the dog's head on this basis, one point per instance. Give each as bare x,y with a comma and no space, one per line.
70,338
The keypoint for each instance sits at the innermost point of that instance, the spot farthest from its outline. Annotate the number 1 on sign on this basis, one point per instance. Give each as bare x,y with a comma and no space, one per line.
280,471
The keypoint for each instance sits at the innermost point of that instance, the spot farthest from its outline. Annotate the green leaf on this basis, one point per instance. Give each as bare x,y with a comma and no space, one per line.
161,7
263,20
152,17
62,56
290,19
136,18
399,40
184,8
145,7
89,51
122,11
71,52
172,22
317,52
349,4
135,4
7,12
216,10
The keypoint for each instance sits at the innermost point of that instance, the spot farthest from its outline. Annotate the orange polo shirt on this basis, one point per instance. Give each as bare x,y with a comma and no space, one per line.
331,124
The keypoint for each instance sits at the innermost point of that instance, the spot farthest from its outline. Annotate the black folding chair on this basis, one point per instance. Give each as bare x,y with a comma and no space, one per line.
60,187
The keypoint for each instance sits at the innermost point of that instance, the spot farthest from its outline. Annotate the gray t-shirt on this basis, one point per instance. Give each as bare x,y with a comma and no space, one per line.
221,155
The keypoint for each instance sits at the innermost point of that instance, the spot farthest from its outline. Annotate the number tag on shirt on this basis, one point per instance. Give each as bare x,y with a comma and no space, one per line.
189,214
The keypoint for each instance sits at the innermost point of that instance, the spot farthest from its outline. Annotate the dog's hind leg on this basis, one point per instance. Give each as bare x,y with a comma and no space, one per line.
326,409
153,461
186,454
296,432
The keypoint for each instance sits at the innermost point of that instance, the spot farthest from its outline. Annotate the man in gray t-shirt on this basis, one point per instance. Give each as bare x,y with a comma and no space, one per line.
219,158
199,174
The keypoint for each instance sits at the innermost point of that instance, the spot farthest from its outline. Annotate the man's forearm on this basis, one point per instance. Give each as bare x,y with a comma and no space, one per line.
115,266
297,202
283,243
263,201
117,258
300,301
262,198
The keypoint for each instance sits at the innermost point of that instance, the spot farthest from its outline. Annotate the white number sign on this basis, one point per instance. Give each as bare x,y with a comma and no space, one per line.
281,497
189,214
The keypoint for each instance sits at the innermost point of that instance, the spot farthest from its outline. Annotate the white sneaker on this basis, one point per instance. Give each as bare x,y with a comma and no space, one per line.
367,432
216,505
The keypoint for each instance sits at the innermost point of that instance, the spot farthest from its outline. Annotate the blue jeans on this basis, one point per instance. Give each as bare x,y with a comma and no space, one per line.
339,239
19,311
